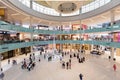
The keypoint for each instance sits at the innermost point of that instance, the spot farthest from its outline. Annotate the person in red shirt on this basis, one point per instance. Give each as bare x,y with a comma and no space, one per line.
114,67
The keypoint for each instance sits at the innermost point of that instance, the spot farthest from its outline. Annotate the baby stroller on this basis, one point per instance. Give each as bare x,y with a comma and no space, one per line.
31,66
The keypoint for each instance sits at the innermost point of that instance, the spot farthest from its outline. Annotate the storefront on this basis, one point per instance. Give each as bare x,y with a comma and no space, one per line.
8,54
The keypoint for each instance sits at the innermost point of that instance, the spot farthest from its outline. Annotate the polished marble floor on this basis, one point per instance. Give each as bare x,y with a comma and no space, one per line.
94,68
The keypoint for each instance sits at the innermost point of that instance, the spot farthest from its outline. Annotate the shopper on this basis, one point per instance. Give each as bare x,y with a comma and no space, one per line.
77,56
67,64
70,60
65,53
25,63
30,58
33,57
62,54
60,58
1,74
74,55
44,56
8,61
83,58
70,56
14,62
114,67
63,65
109,57
39,59
40,53
81,76
79,60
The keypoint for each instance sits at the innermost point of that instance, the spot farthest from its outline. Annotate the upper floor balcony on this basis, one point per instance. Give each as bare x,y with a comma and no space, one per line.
6,26
8,47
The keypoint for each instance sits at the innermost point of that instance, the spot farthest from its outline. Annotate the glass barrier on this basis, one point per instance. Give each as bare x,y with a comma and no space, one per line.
6,26
7,47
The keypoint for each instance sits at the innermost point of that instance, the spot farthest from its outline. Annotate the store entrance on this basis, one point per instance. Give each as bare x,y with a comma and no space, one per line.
11,54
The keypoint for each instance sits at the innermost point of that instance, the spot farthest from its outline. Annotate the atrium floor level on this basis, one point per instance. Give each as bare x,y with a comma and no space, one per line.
94,68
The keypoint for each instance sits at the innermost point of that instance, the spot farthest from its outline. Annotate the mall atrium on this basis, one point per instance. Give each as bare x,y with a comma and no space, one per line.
59,39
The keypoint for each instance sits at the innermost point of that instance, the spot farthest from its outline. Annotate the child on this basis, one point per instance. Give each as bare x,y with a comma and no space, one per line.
114,67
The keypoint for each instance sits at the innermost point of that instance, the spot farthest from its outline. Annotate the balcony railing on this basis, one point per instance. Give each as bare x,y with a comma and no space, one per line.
8,47
6,26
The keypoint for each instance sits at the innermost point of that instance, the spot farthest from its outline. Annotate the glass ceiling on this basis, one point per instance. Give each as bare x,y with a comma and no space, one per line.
49,11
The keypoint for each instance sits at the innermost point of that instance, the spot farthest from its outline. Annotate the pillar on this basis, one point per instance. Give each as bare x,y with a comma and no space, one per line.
112,17
61,28
80,10
112,53
31,34
0,62
61,47
1,57
54,44
80,35
31,4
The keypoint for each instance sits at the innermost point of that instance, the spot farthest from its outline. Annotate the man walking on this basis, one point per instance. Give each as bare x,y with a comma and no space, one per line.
1,74
81,76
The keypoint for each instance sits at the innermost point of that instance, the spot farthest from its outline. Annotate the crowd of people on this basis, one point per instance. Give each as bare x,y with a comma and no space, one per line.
67,64
30,63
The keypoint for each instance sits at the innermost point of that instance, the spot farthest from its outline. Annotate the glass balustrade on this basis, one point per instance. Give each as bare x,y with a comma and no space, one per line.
7,47
6,26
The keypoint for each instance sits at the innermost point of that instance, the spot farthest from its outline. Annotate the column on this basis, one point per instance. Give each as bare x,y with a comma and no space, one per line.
80,35
54,43
31,34
0,61
71,45
112,17
112,53
80,10
21,37
1,57
31,4
61,35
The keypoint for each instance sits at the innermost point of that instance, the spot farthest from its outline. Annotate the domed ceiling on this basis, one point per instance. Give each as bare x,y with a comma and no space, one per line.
63,6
